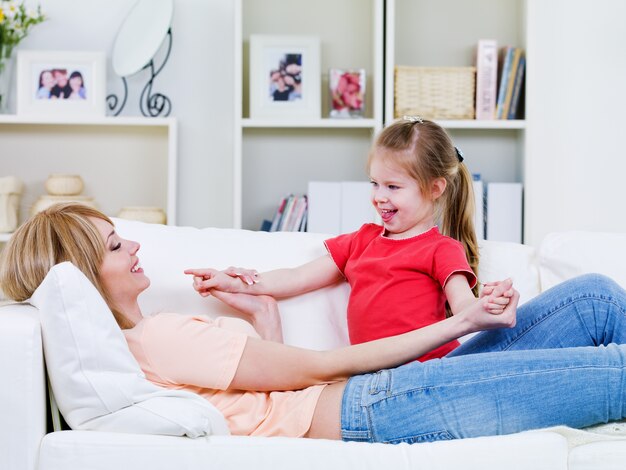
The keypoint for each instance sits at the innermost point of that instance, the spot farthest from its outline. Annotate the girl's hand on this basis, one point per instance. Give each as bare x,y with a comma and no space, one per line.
205,280
498,295
478,316
248,276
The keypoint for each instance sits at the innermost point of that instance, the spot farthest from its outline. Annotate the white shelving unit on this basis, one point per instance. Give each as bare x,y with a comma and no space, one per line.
445,33
124,161
273,157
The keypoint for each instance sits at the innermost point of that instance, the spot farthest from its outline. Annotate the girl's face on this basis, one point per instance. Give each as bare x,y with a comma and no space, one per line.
47,80
121,274
403,208
76,83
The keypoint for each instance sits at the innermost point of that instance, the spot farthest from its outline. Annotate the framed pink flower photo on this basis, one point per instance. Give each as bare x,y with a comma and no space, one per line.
347,93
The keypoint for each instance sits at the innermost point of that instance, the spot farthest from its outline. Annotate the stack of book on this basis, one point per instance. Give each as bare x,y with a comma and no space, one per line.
511,83
499,81
290,216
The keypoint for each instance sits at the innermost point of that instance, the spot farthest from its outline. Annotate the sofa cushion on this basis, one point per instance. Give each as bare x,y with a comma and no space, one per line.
96,381
564,255
501,260
103,451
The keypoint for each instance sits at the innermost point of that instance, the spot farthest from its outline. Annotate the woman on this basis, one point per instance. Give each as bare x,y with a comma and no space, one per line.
267,388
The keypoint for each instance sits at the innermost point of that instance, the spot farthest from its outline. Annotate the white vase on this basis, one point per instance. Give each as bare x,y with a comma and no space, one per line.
64,185
148,214
6,76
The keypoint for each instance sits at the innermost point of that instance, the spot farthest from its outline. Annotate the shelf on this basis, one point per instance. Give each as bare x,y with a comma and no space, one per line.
96,148
86,120
495,124
324,123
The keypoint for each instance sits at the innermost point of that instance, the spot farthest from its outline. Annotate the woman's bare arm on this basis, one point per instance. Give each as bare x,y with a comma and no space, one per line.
270,366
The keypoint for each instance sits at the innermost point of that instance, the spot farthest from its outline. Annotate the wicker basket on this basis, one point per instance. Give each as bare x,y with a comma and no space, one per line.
435,92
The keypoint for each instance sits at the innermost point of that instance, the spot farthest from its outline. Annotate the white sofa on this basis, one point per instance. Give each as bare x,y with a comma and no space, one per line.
314,320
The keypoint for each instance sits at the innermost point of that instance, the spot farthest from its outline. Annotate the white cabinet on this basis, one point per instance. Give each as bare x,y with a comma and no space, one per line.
123,161
274,157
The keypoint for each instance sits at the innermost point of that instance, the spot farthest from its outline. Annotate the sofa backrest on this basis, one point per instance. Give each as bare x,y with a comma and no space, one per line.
315,320
500,260
563,255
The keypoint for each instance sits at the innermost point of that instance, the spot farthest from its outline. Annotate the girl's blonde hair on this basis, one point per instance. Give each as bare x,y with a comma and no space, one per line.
425,151
60,233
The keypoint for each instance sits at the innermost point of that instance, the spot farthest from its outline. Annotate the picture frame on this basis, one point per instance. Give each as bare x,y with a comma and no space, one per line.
347,93
285,77
61,83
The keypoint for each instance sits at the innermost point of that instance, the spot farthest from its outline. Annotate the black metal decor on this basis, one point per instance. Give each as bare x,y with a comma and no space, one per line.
150,104
112,99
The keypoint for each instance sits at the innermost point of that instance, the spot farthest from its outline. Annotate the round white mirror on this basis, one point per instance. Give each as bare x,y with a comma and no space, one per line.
141,35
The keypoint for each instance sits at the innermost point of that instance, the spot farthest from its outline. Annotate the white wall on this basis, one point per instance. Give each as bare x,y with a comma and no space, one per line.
198,79
576,163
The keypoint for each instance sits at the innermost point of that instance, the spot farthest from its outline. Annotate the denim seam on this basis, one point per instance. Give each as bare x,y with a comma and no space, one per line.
468,382
564,304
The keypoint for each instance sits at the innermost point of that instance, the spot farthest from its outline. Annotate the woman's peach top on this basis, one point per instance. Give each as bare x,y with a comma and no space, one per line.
201,354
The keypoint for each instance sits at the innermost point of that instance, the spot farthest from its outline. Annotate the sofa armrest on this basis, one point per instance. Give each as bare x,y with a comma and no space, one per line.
23,394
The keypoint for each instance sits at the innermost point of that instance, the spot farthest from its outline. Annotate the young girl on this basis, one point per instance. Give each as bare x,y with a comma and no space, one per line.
400,274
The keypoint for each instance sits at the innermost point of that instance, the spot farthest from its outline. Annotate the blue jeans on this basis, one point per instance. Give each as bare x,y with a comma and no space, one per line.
562,364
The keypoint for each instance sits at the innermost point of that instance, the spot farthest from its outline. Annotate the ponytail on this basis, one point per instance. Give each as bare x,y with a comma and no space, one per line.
457,216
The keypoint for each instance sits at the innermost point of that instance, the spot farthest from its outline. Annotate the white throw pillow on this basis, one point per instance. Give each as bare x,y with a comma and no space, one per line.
564,255
501,260
96,381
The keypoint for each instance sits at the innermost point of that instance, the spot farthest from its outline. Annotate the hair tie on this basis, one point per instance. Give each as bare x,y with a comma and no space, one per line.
413,119
459,154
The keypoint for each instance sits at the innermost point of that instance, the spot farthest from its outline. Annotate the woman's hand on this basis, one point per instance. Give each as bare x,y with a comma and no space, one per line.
260,310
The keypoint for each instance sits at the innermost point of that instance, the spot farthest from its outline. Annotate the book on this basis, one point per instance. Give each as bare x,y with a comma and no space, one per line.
300,210
287,213
514,109
479,203
504,212
486,78
265,225
279,214
506,57
517,55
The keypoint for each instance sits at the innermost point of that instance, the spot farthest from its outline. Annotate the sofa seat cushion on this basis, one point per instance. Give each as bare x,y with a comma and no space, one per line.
100,451
605,455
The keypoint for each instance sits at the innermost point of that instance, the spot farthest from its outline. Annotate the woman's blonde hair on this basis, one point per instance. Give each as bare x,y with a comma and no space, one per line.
425,151
63,232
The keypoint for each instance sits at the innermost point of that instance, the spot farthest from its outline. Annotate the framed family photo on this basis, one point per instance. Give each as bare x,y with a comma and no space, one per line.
285,77
61,83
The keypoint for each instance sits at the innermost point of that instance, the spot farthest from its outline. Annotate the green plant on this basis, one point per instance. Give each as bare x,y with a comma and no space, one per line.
16,19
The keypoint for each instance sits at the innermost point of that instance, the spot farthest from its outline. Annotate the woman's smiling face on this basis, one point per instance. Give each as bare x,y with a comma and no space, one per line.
121,274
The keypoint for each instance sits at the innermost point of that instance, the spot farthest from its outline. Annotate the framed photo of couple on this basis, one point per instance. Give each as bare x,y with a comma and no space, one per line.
61,83
285,77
